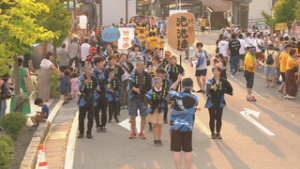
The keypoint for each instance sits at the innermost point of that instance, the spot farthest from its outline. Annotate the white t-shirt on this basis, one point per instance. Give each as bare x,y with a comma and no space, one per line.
243,46
260,42
248,41
223,47
197,55
125,76
85,51
45,64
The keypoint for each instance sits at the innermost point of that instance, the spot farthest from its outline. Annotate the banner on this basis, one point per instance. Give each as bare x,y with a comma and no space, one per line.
280,26
127,34
181,30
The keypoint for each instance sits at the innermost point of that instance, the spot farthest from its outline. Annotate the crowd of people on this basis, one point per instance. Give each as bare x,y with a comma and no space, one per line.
248,49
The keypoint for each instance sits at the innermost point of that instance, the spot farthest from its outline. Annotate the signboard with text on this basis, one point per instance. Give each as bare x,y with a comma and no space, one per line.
127,34
181,30
280,26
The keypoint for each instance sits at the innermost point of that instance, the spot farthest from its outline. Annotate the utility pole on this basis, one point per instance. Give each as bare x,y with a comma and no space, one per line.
100,12
75,19
126,1
176,4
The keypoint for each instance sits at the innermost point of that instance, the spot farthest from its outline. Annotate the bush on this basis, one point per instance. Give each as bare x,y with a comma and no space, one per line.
148,13
6,155
12,124
8,140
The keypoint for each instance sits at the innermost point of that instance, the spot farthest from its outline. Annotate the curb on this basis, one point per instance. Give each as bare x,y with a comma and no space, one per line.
30,156
69,156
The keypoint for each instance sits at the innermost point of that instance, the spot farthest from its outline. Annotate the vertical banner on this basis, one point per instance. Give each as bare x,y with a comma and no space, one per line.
127,34
181,30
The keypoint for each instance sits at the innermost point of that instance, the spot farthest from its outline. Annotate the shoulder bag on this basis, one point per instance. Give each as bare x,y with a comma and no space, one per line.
28,83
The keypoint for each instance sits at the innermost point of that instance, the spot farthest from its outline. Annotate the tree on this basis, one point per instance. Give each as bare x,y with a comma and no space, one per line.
18,31
297,11
57,20
270,21
284,11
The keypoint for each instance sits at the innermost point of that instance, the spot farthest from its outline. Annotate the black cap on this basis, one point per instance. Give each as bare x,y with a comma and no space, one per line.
271,46
187,82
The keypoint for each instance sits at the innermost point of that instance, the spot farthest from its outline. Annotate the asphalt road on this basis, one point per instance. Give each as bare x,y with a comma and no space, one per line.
244,144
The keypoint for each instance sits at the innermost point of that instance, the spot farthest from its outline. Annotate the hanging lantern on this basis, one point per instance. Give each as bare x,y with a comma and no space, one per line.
82,21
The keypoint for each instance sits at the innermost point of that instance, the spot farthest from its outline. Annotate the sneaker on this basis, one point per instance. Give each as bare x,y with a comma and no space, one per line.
218,136
80,135
103,129
142,135
279,91
251,98
160,143
33,127
98,129
155,142
267,85
200,91
289,97
233,73
166,121
132,135
117,120
109,120
122,107
89,135
213,136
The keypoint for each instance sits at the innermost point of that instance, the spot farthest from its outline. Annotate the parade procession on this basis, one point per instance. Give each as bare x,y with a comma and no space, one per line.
152,84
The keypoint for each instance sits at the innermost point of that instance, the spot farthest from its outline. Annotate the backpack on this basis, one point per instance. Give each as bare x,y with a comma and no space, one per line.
270,59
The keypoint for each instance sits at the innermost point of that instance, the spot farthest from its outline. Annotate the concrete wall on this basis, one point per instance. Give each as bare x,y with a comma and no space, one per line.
113,10
255,9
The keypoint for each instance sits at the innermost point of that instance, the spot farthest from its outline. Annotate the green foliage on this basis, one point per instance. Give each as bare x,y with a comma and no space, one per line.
36,87
148,13
12,124
218,25
270,21
57,20
8,140
18,30
54,84
297,11
23,99
6,155
143,13
284,11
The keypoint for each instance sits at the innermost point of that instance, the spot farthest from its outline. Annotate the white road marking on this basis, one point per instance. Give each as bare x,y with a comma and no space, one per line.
247,113
202,126
125,123
69,158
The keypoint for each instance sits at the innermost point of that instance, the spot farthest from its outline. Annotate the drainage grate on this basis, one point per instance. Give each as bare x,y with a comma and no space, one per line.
58,135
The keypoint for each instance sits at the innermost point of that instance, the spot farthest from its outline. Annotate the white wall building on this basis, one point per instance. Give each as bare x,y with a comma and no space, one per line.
255,9
113,10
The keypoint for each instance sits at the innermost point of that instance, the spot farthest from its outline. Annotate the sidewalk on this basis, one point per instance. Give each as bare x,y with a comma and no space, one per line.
57,139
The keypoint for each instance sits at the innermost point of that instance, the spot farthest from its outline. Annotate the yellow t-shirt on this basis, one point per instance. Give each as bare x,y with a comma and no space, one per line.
283,61
290,63
161,43
275,56
249,62
153,42
141,37
148,43
203,22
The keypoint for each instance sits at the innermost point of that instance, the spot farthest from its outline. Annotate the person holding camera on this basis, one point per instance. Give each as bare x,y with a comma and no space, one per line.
203,60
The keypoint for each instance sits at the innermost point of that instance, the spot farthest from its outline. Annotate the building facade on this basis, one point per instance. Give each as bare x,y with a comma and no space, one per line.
240,12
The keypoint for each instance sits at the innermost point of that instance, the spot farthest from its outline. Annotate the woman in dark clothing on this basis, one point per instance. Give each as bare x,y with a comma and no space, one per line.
215,89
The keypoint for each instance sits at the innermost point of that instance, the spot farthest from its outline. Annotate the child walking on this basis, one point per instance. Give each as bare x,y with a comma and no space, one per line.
65,84
154,101
161,73
74,86
113,95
